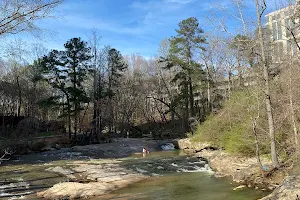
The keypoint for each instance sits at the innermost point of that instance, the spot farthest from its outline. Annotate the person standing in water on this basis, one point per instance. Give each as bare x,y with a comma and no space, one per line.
145,150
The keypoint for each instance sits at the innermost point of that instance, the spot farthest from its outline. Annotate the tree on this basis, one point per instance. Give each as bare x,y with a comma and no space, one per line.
116,66
76,62
19,16
260,8
183,48
53,73
214,58
241,45
66,71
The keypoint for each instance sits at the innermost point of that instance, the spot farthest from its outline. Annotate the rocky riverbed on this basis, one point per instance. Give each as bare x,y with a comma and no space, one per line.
85,171
97,170
26,174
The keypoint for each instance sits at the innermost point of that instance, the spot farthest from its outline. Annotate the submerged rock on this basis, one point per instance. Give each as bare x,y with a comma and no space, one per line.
168,146
239,187
60,170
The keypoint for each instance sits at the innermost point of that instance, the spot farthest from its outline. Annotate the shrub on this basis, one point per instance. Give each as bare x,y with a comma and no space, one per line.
231,128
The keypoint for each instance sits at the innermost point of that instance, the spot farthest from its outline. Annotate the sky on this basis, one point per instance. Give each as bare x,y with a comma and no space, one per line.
136,26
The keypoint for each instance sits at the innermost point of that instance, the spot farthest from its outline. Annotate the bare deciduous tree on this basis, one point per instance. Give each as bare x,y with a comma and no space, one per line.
260,9
19,15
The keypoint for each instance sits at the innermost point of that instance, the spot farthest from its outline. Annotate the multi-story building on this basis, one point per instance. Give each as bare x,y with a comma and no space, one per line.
280,25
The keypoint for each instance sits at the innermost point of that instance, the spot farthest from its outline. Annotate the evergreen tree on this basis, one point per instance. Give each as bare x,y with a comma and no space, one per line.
77,65
116,66
182,52
66,71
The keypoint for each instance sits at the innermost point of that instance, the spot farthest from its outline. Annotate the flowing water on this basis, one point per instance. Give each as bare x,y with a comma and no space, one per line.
173,176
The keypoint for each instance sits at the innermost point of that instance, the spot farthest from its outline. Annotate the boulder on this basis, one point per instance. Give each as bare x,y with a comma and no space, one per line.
288,190
187,144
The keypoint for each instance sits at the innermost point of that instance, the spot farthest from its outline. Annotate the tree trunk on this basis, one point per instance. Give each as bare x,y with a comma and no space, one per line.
259,13
229,84
75,102
20,97
210,106
293,118
186,115
257,152
191,97
240,73
69,116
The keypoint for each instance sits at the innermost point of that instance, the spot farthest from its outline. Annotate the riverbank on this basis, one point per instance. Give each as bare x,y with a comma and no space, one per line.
246,171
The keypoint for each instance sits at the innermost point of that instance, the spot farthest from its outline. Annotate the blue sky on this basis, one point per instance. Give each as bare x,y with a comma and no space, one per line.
134,26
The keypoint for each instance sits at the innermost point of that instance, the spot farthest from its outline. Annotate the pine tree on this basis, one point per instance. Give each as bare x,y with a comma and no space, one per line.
183,48
116,66
66,71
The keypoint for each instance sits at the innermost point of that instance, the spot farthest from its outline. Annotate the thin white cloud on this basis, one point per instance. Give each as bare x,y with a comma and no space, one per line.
179,1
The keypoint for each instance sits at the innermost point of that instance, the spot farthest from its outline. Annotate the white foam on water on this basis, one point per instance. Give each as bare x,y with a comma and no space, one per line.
15,197
140,170
18,179
174,165
4,194
15,185
198,162
168,146
206,168
153,174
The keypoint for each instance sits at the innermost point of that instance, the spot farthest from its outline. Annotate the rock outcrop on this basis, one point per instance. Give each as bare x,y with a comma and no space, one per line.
288,190
187,144
91,178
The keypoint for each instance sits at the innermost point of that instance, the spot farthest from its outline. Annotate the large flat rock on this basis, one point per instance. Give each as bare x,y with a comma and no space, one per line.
96,178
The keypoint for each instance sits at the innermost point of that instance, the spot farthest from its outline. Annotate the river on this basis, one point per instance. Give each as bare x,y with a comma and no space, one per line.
173,176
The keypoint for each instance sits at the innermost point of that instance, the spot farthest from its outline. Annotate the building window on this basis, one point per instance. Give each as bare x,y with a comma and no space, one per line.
279,30
278,16
274,31
275,51
280,49
291,12
288,47
287,28
295,48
